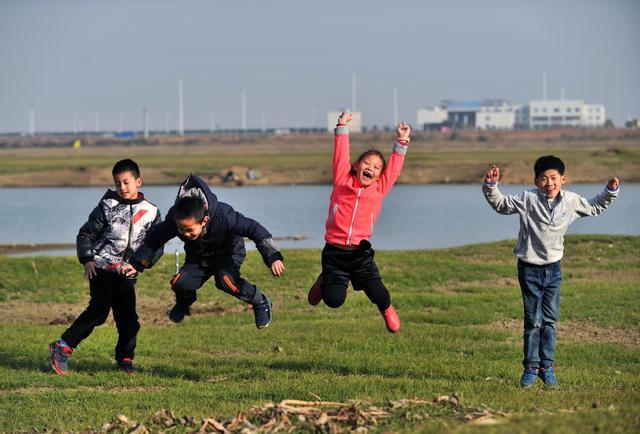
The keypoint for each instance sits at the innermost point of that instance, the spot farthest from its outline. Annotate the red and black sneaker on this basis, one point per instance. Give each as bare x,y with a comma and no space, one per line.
391,319
59,355
315,293
126,365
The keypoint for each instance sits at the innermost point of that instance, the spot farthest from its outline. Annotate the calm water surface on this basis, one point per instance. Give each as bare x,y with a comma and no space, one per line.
413,217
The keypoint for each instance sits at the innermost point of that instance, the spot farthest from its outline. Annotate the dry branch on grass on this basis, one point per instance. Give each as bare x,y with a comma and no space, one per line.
292,415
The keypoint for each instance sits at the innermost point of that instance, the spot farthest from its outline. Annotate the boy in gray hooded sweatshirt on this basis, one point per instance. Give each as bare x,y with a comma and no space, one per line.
545,214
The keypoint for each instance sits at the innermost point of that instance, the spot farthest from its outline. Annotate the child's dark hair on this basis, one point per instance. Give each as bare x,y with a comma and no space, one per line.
547,162
126,165
188,207
368,153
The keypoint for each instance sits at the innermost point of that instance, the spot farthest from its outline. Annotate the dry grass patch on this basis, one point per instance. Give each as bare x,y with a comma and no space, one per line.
150,311
575,331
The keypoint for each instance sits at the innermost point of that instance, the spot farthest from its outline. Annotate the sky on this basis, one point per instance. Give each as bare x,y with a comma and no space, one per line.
68,60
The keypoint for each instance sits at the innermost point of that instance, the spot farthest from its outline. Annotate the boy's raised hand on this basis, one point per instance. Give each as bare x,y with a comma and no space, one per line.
277,268
613,184
403,131
345,118
492,175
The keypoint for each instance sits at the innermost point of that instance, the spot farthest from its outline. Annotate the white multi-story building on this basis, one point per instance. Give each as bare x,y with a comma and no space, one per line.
431,118
501,116
355,126
565,113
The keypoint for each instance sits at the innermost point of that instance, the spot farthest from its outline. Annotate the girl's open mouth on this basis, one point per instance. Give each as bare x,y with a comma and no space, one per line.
367,174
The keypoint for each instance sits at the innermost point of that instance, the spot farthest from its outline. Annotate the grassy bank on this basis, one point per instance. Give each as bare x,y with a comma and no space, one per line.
461,311
591,156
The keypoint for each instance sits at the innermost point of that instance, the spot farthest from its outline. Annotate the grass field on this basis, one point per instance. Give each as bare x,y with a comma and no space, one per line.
591,156
461,334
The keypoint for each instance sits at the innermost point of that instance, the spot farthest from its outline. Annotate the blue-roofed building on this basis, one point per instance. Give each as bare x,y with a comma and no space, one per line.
487,114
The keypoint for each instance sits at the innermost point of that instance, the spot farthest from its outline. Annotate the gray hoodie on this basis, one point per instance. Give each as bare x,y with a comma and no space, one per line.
543,224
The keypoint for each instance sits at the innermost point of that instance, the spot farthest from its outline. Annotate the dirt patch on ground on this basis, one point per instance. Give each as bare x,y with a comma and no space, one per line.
576,331
457,287
150,311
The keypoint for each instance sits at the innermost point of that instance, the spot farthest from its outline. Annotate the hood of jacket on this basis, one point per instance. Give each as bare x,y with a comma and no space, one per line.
194,186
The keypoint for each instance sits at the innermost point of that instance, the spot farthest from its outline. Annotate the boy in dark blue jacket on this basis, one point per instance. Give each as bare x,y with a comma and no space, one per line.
213,234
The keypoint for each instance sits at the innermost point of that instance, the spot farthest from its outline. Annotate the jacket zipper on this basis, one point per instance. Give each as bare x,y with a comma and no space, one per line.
130,231
353,217
333,213
371,224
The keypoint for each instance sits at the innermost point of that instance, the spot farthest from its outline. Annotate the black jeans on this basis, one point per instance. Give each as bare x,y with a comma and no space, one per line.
339,266
226,273
108,291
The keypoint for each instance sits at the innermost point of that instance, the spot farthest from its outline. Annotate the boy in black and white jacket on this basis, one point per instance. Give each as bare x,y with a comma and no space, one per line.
114,231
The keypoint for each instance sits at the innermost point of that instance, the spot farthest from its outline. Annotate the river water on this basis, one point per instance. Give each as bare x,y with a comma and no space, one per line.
413,217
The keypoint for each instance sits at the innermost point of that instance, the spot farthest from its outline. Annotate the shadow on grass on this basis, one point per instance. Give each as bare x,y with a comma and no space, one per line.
315,367
42,364
91,367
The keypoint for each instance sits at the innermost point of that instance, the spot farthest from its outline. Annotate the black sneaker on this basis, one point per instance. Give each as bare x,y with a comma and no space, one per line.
262,312
178,312
59,357
126,365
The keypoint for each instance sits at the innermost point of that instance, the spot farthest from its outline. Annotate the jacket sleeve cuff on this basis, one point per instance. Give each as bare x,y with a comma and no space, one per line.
400,148
85,259
277,256
342,129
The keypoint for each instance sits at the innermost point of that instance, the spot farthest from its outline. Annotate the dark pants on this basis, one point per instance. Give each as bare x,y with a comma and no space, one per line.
226,273
108,291
540,285
339,266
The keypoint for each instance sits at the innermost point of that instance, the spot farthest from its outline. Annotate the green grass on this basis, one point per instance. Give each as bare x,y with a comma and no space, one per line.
460,309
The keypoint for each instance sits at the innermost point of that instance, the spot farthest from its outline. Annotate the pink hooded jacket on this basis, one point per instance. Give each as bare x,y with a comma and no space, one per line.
354,209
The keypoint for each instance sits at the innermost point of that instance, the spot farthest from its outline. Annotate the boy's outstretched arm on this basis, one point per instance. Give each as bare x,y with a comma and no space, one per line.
503,204
246,227
600,202
341,158
152,247
396,160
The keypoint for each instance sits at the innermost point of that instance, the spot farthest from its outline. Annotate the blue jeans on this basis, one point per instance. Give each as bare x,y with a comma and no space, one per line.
540,285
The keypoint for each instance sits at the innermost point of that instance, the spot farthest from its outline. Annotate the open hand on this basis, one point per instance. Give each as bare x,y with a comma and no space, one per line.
492,175
345,118
403,131
277,268
613,184
89,270
128,270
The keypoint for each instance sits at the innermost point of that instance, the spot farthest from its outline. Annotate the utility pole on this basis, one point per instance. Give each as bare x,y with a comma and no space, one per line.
32,122
180,109
145,122
243,109
395,106
353,93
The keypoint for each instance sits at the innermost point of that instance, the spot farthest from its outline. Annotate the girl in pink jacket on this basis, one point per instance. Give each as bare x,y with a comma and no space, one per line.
356,200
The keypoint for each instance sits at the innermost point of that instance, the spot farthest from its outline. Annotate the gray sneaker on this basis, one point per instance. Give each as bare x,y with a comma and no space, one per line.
262,312
59,357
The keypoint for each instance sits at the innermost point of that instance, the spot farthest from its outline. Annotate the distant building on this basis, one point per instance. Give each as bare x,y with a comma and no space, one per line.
502,115
565,113
497,116
432,119
355,126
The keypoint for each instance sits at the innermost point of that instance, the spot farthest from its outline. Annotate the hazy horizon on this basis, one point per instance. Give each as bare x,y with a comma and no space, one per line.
71,59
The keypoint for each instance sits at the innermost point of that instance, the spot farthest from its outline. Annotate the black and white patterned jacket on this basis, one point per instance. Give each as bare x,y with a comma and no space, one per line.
115,230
